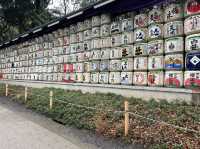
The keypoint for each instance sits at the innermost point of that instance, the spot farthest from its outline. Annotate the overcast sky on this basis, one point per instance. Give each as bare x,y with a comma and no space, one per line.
57,4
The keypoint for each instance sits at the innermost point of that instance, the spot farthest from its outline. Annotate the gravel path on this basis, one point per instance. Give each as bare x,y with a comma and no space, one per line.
21,128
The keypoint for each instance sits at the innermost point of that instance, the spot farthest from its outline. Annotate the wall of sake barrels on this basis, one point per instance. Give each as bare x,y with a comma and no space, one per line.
157,46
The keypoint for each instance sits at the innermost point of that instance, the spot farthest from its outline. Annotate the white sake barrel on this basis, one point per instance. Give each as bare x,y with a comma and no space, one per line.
79,67
116,40
94,77
66,40
173,11
140,35
80,26
79,47
140,78
126,78
73,48
140,49
155,78
104,65
79,37
86,66
115,27
172,29
192,24
94,66
115,65
174,61
175,44
192,7
115,78
60,77
192,79
155,63
80,57
155,15
173,78
87,45
105,53
103,77
127,64
78,77
127,38
96,43
105,42
105,30
192,42
95,55
105,19
96,21
155,31
140,20
86,77
127,25
68,77
87,24
140,63
127,51
156,47
55,76
73,28
87,34
86,56
115,53
95,32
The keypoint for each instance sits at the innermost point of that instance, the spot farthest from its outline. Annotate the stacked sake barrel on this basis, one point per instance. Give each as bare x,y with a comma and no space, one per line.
192,43
174,45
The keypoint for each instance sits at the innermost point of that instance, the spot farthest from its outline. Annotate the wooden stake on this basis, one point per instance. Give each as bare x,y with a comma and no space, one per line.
25,94
6,90
51,100
126,120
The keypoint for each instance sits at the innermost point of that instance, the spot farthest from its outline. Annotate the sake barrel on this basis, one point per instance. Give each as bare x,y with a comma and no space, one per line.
79,67
155,15
104,65
155,63
86,66
173,11
115,27
78,77
192,7
155,31
95,55
105,53
175,44
192,79
140,49
127,25
87,24
105,19
86,77
73,48
103,77
95,32
68,67
105,30
55,77
68,77
193,61
94,77
140,35
127,51
127,64
126,78
172,29
87,45
73,28
96,21
105,42
80,26
140,63
174,61
86,56
73,38
115,65
79,37
87,34
115,78
60,77
140,78
94,66
116,40
80,57
155,78
127,38
96,43
173,78
140,20
79,47
192,24
155,47
192,42
115,53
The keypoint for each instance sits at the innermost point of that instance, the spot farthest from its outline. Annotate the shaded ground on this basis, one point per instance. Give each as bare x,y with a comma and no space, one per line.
23,129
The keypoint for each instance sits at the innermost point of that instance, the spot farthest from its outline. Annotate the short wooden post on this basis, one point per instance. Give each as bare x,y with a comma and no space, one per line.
6,90
126,119
25,94
51,100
